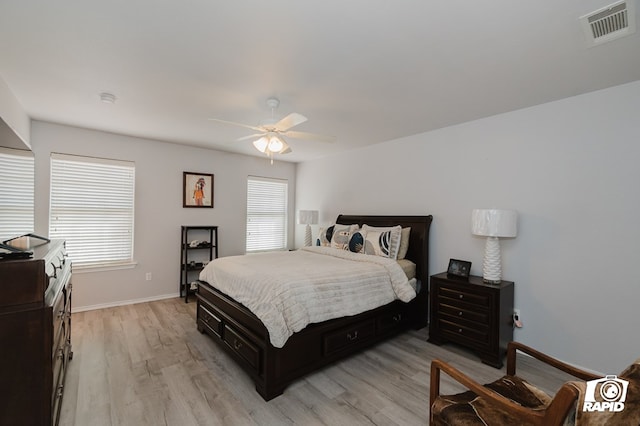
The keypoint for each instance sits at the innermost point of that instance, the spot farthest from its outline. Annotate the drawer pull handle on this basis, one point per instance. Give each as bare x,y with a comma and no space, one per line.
397,318
353,336
461,296
55,274
460,313
459,330
237,344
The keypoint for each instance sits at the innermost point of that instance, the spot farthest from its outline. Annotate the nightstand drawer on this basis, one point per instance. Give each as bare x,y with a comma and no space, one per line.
458,332
455,296
456,313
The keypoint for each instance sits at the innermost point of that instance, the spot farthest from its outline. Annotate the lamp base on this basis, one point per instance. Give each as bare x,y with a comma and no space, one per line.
307,236
492,265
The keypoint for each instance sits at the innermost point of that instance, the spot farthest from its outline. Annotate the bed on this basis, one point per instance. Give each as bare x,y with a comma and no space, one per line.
247,339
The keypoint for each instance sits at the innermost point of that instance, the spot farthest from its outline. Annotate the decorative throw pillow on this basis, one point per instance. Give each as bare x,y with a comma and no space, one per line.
404,243
341,236
356,242
382,241
324,237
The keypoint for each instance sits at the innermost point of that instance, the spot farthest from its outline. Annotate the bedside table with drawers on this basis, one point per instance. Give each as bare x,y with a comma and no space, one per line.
473,314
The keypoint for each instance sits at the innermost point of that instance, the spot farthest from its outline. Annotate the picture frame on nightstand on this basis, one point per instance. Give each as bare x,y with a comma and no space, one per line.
459,268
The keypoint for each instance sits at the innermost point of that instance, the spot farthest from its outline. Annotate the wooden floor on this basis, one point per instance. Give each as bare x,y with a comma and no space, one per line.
146,364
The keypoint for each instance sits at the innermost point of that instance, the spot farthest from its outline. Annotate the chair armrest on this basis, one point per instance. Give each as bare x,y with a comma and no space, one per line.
562,366
528,415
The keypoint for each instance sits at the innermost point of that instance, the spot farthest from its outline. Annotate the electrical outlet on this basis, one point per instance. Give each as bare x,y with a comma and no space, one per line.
148,276
517,318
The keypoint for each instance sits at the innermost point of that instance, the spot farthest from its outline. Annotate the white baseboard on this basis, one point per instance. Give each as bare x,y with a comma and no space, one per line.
123,302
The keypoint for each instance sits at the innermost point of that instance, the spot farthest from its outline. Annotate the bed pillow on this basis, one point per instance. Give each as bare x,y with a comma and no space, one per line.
356,242
404,243
324,237
341,236
382,241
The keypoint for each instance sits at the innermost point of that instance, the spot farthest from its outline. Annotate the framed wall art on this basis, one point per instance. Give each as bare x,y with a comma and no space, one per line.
197,190
459,268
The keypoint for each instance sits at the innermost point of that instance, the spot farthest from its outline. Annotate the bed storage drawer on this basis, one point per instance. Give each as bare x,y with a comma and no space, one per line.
242,346
391,321
340,339
208,319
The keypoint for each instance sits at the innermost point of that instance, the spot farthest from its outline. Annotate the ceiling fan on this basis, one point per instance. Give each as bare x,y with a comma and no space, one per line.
270,139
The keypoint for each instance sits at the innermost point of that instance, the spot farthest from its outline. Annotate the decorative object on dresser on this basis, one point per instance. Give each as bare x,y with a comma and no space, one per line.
493,224
459,268
307,217
197,190
472,313
199,245
246,338
35,334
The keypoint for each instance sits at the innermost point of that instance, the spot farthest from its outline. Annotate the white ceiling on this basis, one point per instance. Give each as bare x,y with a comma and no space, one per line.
365,71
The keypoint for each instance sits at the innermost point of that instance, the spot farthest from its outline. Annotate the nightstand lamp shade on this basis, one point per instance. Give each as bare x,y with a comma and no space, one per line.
307,217
493,224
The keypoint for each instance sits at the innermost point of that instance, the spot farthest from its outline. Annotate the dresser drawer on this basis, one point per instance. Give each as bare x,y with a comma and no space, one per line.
209,319
459,297
242,346
336,340
477,336
462,313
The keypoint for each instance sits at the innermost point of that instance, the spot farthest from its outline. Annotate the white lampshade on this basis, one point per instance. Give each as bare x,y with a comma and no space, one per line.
494,223
307,217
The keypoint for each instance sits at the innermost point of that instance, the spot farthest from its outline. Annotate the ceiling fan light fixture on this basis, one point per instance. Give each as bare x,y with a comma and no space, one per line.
275,144
262,144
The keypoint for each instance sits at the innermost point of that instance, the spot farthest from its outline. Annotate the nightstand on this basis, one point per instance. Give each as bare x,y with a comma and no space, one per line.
473,314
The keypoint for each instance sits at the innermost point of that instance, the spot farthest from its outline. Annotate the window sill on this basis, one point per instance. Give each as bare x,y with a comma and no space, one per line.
85,269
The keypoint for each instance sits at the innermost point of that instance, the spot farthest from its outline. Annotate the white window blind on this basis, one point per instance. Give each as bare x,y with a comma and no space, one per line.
266,214
92,208
16,193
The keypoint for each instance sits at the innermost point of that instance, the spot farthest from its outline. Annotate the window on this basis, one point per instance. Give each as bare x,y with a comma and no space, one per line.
92,203
16,193
266,214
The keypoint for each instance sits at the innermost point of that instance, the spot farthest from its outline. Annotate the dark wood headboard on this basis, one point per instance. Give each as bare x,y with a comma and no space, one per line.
418,251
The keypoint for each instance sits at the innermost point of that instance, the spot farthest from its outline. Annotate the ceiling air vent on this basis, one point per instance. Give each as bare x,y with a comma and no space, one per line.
609,23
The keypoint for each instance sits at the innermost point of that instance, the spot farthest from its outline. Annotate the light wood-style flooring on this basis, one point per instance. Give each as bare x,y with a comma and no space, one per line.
146,364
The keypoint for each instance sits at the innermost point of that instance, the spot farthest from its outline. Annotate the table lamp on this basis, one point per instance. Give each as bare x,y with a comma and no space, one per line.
493,224
307,217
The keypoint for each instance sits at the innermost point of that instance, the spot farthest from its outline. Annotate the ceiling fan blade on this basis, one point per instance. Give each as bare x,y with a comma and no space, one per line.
309,136
237,124
289,121
244,138
286,151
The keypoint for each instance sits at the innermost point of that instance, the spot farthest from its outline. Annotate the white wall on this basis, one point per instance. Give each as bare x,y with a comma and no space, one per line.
158,205
570,168
14,118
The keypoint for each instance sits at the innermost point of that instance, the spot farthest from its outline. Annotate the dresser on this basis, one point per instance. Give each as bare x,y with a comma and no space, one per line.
473,314
35,335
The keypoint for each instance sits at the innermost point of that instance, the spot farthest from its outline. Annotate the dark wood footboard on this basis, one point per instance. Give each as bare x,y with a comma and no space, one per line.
246,339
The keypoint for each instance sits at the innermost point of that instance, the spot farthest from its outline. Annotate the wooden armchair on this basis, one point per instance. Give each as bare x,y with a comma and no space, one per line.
507,401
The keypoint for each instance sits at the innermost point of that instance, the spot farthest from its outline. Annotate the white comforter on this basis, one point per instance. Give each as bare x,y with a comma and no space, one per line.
289,290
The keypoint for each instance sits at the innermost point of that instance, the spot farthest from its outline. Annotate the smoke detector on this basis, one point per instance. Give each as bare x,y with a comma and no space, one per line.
609,23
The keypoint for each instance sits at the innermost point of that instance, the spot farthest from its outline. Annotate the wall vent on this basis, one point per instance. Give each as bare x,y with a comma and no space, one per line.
609,23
